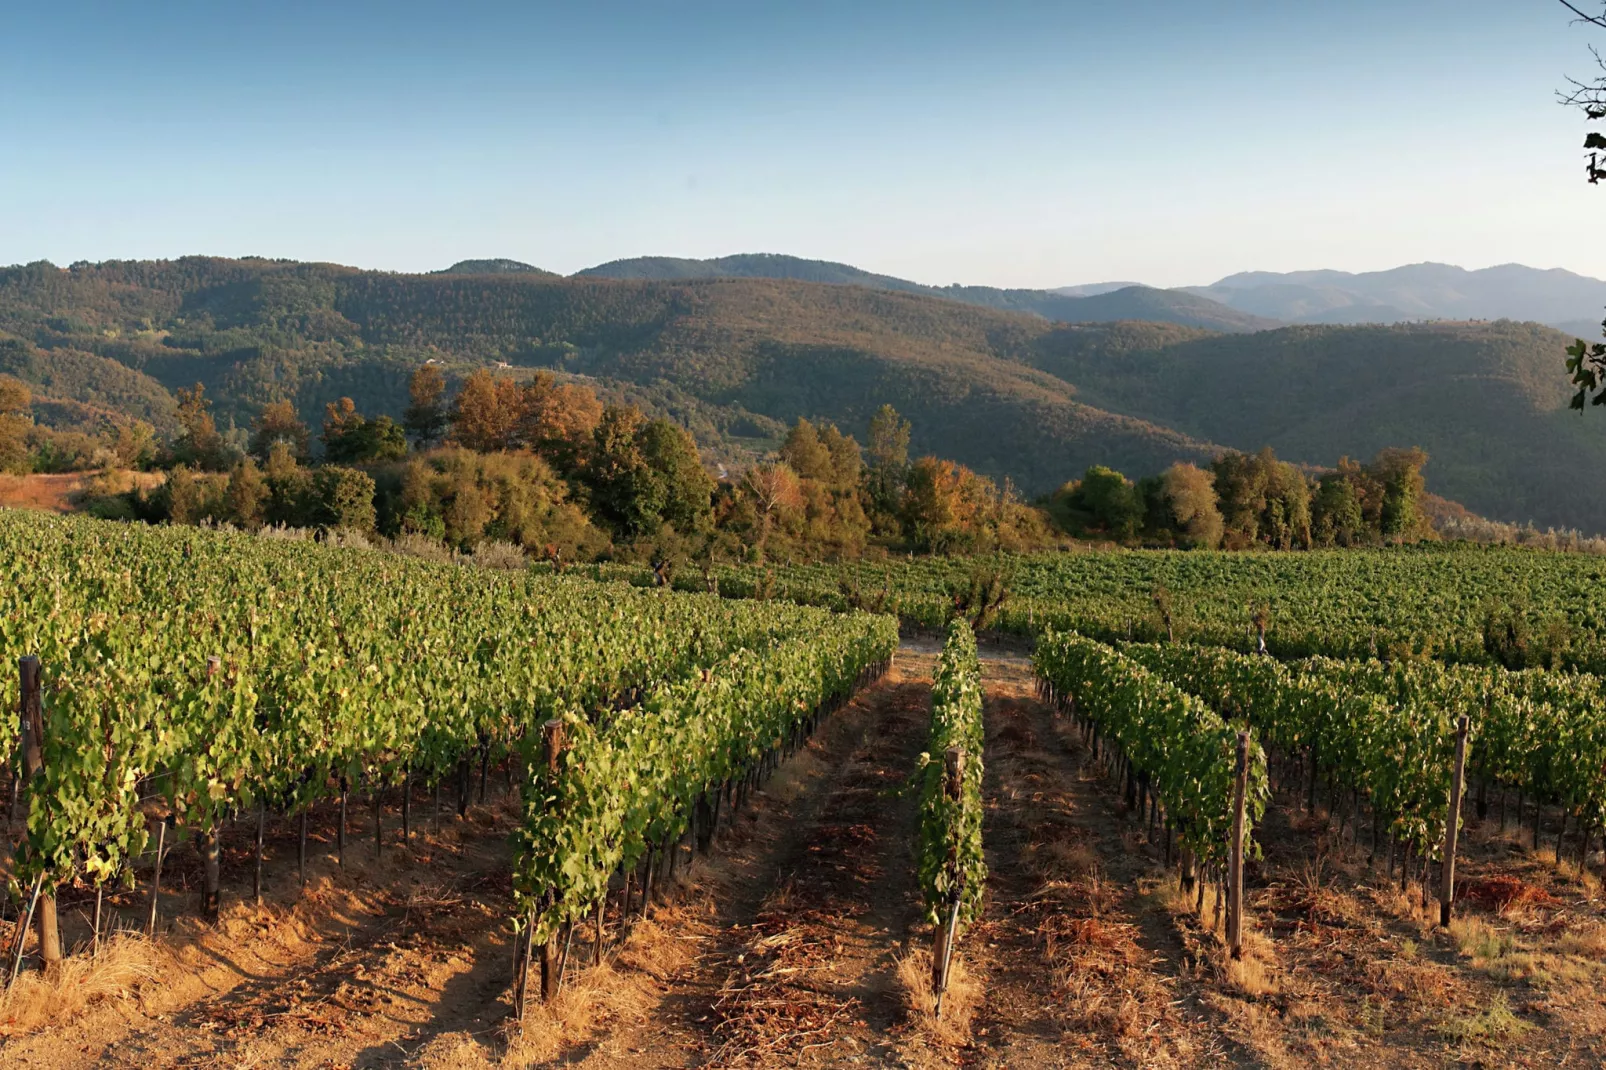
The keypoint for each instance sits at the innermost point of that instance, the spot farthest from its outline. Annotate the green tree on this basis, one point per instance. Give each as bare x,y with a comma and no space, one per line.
1400,473
245,499
888,462
1240,481
342,498
15,423
688,489
1110,502
622,490
1190,496
184,497
1336,510
889,440
1287,520
646,474
806,454
847,460
1262,500
133,443
289,488
350,438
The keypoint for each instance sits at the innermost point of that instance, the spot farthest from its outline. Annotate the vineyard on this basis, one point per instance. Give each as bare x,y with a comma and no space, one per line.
952,864
177,679
1432,601
620,824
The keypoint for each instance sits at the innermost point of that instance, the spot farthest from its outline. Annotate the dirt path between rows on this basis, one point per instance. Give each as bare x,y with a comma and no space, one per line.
1079,965
796,923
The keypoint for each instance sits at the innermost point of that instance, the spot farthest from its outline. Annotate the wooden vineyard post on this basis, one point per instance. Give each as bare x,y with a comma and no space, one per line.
94,930
1452,822
1235,857
156,878
407,802
256,872
953,761
23,923
33,758
462,787
206,844
524,948
552,737
340,832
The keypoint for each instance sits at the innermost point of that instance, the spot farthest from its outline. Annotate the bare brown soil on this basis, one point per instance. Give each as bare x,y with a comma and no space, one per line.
798,941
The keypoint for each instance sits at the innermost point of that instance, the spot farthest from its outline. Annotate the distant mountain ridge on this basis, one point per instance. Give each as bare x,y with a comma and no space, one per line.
1096,304
1239,303
1427,291
1242,302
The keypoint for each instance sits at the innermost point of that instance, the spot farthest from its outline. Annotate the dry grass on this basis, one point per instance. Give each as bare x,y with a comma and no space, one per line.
653,949
1478,940
1408,976
1585,941
123,966
959,1002
1494,1024
625,987
1256,974
1061,858
588,1000
52,493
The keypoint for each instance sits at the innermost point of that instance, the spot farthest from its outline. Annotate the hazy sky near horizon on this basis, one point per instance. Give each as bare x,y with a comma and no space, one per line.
1012,143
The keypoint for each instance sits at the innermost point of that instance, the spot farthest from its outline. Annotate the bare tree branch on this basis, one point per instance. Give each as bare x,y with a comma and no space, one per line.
1594,20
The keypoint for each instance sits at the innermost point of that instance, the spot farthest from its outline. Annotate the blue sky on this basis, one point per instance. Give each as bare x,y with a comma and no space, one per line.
1009,143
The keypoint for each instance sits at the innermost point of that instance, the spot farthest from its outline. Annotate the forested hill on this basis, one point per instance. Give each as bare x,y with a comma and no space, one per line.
499,266
728,357
1010,394
1487,401
1131,302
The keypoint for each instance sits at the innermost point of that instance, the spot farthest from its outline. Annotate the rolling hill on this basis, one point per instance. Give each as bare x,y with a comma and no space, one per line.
1098,304
1488,401
497,266
1011,394
729,356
